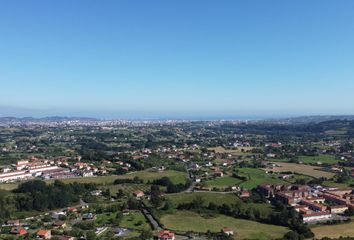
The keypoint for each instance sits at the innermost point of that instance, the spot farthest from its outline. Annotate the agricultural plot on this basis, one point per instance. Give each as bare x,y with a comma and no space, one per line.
301,169
334,231
128,188
147,175
329,159
223,182
208,197
150,175
244,229
218,199
231,151
254,177
331,183
257,176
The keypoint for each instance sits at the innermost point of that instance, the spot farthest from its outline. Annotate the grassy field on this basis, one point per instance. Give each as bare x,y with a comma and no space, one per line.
256,177
223,182
232,151
218,199
127,188
330,159
208,197
244,229
146,175
334,231
332,183
301,169
132,221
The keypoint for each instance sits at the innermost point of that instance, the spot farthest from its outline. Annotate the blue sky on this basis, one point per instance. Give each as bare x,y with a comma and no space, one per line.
176,58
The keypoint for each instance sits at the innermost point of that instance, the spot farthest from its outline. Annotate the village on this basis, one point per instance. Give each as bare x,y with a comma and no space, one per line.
231,181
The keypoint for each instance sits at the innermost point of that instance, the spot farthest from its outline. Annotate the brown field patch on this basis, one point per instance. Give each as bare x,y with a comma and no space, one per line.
334,231
301,169
236,150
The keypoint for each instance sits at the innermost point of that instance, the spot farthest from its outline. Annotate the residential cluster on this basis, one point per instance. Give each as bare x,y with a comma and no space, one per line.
315,204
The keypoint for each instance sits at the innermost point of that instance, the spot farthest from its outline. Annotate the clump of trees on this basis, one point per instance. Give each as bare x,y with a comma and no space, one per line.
171,187
37,195
135,180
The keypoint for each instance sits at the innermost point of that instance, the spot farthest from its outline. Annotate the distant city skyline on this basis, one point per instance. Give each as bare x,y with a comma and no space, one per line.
176,59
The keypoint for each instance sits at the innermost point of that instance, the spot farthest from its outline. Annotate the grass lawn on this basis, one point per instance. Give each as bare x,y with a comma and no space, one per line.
256,177
105,218
334,231
223,182
133,220
330,159
244,229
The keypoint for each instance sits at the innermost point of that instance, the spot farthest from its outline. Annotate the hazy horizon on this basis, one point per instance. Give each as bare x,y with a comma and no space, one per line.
43,113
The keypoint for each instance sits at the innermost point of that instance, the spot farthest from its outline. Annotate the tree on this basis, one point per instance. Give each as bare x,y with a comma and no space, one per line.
146,234
350,211
291,236
120,194
90,235
198,202
155,196
168,205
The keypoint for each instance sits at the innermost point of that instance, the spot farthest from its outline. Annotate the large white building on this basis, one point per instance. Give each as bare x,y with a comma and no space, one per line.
14,176
316,216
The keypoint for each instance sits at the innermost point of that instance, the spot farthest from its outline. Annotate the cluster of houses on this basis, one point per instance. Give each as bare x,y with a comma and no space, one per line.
19,229
315,204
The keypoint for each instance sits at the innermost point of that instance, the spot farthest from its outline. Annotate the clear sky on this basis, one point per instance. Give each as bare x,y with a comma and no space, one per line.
176,58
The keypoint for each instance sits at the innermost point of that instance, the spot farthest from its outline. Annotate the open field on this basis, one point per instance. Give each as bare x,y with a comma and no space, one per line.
301,169
146,175
128,188
208,197
334,231
256,177
244,229
223,182
133,220
218,199
330,159
232,151
332,183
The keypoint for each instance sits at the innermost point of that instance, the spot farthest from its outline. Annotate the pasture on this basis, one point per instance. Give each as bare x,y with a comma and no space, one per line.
218,199
329,159
254,177
231,151
223,182
334,231
301,169
147,175
257,176
244,229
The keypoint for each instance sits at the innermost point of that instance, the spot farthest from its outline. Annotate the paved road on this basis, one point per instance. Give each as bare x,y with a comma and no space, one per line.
155,225
151,219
